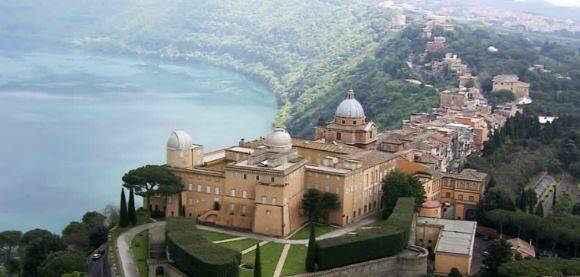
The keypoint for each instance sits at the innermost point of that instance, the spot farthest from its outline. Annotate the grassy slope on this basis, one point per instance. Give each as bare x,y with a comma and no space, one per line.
140,249
240,245
269,254
214,236
319,229
295,261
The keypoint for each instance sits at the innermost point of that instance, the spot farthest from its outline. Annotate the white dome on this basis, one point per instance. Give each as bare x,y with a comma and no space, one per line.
179,140
279,138
350,107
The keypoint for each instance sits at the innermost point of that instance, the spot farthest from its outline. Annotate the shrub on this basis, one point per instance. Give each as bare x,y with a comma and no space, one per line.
388,238
195,255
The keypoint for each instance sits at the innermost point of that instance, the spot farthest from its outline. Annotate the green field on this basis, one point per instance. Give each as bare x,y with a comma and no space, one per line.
269,255
319,229
240,245
214,236
295,261
140,249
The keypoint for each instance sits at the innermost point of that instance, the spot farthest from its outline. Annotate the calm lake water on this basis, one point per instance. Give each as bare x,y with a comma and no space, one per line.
71,123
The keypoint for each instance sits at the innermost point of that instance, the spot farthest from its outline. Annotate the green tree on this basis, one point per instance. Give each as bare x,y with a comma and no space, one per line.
530,199
98,230
76,236
499,252
257,262
131,213
539,210
311,254
111,212
455,273
37,249
565,202
58,263
181,208
399,184
8,242
151,180
311,204
123,216
329,203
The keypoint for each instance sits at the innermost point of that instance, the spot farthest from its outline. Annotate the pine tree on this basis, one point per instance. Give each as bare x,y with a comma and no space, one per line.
257,263
123,217
131,208
311,254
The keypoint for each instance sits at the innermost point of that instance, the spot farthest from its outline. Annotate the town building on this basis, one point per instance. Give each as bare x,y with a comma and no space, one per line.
461,192
512,83
398,20
523,248
452,242
436,44
349,126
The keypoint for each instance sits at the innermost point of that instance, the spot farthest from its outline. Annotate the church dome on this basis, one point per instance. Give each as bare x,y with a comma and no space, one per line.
279,139
179,140
350,107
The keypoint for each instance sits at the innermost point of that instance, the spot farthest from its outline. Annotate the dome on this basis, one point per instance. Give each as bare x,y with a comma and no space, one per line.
179,140
350,107
279,138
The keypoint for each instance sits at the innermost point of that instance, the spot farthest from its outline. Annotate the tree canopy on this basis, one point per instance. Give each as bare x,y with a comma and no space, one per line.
399,184
152,179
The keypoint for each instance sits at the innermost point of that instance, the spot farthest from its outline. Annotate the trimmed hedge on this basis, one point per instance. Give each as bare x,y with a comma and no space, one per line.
387,238
195,255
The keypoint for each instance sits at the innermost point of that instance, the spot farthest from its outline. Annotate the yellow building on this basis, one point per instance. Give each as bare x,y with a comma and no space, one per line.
461,192
259,185
452,241
512,83
349,125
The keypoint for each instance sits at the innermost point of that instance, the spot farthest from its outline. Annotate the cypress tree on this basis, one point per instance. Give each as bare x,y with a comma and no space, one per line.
181,211
311,254
540,210
131,208
123,217
257,263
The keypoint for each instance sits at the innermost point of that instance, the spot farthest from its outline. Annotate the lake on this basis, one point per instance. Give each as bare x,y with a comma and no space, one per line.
73,122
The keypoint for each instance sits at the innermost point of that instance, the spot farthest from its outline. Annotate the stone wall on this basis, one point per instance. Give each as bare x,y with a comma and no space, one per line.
410,263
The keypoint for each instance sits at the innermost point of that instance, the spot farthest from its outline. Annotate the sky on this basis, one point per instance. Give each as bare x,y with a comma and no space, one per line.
565,2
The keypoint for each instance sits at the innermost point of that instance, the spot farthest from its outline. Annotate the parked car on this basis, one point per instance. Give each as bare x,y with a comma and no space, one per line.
96,256
484,253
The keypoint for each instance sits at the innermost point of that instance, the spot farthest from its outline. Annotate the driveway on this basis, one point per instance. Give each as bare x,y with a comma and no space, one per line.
480,245
128,266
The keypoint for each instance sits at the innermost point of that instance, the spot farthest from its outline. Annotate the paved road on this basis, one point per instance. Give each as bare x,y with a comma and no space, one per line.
100,267
480,245
128,266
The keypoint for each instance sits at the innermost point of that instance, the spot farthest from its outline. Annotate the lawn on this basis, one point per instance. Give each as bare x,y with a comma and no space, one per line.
214,236
269,256
140,249
295,261
239,245
319,229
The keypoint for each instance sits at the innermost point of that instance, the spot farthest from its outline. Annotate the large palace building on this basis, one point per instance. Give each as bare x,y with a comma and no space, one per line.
259,185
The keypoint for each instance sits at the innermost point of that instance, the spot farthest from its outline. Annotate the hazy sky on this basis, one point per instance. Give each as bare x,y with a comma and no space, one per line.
565,2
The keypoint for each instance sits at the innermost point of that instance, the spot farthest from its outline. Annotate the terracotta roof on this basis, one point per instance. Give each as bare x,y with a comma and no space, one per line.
329,147
525,249
372,157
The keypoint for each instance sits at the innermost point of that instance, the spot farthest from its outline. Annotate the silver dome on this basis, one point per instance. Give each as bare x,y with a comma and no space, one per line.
350,107
179,140
278,138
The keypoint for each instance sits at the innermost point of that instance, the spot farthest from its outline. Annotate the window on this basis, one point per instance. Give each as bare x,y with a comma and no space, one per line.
244,194
271,179
337,190
448,194
264,199
471,198
190,201
232,208
190,187
217,190
244,210
245,176
198,188
257,177
354,122
274,200
208,189
343,121
233,193
338,136
327,188
460,197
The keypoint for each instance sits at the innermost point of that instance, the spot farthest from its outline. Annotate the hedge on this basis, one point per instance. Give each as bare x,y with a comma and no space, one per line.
387,238
541,267
195,255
